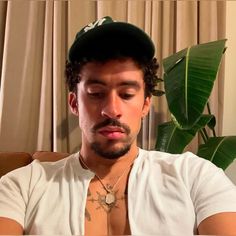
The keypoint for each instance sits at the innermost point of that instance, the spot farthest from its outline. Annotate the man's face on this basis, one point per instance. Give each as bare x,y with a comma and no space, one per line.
110,104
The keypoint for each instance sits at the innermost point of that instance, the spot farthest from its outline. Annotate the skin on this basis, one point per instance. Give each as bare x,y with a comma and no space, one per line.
10,227
114,90
110,98
219,224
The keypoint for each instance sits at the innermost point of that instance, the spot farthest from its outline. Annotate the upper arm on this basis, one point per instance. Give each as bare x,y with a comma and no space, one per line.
14,192
10,227
221,223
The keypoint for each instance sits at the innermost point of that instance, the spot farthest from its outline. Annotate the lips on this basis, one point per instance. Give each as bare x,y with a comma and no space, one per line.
112,132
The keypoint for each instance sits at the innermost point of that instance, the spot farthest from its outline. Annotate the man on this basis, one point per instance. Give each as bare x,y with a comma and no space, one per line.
111,186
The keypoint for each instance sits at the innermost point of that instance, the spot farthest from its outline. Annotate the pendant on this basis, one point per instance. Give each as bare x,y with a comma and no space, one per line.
110,198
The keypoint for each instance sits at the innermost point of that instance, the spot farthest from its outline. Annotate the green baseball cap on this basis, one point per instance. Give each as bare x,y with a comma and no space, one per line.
106,35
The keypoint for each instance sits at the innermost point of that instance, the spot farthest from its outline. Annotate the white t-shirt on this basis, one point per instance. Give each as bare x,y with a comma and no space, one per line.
167,195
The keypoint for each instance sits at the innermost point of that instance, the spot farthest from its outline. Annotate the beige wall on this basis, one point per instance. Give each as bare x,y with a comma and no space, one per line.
229,115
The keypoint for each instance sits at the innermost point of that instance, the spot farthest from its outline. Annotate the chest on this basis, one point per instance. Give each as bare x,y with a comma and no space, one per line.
155,205
106,210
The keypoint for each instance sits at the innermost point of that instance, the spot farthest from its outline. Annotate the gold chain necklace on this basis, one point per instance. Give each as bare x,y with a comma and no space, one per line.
110,197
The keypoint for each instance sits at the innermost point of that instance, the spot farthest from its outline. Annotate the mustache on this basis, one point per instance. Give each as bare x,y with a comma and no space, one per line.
111,122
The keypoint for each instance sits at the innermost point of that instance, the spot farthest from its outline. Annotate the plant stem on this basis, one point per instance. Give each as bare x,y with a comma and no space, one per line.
209,112
214,132
202,133
205,133
208,108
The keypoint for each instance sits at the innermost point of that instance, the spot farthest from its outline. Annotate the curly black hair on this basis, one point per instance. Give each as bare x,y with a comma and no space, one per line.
149,68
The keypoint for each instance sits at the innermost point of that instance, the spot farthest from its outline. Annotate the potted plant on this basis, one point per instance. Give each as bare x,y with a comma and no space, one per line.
189,77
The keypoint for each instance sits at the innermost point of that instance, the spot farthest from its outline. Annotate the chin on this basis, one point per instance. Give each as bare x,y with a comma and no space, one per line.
110,153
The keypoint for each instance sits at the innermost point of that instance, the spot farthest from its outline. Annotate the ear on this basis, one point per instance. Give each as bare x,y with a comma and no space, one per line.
72,100
146,106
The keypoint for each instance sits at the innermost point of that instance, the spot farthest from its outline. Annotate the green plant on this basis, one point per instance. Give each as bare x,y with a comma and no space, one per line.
189,77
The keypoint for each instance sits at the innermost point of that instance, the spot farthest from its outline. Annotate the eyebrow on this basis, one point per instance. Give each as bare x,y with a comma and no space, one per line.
129,83
94,81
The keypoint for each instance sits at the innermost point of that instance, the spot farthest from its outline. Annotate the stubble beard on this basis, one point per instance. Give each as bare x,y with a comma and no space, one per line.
110,154
106,150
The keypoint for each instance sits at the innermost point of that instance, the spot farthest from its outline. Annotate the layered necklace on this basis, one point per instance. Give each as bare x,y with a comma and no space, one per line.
110,196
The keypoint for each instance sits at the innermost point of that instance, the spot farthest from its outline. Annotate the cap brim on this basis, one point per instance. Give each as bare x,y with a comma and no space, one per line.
127,38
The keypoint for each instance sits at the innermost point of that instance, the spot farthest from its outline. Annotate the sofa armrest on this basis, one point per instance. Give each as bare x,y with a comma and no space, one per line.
49,156
13,160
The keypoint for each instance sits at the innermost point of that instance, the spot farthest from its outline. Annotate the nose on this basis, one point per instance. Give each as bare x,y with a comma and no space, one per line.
112,106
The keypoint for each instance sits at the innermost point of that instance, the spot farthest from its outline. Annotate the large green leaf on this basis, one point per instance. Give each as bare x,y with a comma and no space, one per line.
219,150
188,79
173,139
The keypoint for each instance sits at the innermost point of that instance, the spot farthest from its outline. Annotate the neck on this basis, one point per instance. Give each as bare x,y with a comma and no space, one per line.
106,168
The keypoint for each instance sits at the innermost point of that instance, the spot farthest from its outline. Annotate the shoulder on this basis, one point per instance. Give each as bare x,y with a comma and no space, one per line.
37,170
209,189
178,161
188,168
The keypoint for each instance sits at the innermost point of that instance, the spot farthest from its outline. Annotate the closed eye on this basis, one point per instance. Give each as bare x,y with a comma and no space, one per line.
127,96
96,95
